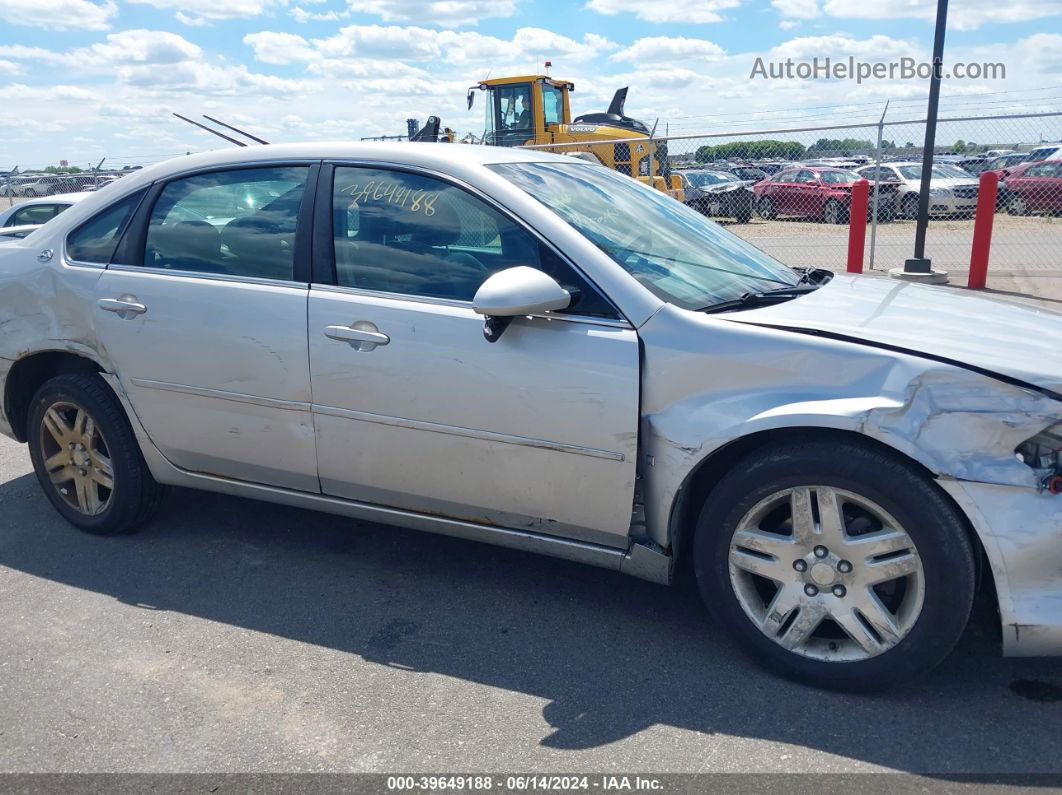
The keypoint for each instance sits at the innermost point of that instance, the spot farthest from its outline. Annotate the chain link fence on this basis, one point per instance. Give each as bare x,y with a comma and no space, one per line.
788,191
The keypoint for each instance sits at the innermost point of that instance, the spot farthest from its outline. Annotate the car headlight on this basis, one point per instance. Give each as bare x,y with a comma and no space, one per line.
940,191
1043,453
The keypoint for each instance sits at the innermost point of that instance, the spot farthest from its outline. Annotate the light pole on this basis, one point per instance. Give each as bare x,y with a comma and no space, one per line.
919,267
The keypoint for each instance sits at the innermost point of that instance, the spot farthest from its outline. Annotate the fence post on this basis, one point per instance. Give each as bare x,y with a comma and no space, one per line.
877,174
982,234
857,225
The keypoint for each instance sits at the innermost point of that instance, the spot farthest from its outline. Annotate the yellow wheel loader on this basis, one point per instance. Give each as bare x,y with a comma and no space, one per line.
536,110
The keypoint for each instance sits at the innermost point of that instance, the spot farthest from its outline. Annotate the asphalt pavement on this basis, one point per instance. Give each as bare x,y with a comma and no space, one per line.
237,636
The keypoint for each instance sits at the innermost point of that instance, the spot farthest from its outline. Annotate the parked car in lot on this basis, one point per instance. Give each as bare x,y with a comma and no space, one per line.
770,167
974,166
744,172
38,211
821,193
1004,162
530,350
952,191
718,193
8,233
1034,188
1049,152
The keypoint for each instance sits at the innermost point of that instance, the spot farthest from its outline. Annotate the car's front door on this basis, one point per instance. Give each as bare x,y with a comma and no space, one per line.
204,318
413,407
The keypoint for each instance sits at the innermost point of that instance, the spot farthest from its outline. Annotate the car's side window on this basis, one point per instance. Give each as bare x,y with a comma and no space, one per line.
96,239
239,223
412,234
37,214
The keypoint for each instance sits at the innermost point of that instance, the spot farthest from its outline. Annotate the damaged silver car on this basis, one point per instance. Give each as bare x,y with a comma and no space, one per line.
540,353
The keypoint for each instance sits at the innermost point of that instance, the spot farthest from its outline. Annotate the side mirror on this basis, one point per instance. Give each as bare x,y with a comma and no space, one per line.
514,292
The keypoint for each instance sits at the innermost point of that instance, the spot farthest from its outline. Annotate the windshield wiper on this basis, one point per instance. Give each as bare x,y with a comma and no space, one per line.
763,298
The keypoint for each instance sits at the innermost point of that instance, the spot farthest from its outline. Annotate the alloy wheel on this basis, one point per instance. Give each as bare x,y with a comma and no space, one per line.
826,573
76,458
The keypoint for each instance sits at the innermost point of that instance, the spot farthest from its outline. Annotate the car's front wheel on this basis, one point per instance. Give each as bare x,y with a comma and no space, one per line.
833,212
835,565
765,207
86,457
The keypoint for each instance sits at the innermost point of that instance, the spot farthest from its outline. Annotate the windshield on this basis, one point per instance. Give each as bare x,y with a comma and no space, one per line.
675,252
700,179
839,177
939,172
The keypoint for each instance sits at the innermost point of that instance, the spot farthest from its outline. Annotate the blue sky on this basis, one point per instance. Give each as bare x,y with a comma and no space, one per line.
80,79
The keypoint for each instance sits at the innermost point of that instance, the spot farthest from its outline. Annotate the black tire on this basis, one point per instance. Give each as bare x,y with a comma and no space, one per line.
840,212
765,207
743,211
1016,205
909,207
931,522
136,495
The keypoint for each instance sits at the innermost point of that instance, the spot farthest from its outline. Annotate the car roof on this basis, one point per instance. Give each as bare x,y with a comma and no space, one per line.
440,156
58,197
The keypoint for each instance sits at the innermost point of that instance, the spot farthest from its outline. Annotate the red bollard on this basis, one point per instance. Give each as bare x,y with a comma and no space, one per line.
857,225
982,234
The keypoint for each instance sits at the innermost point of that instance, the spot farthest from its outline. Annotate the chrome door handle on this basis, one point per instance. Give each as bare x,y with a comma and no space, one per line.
362,335
123,305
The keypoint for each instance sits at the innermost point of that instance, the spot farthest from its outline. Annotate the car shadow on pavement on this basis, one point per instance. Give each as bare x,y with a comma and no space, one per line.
612,655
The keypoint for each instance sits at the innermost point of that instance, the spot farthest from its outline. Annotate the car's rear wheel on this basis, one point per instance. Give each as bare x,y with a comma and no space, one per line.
835,565
1016,205
765,207
86,457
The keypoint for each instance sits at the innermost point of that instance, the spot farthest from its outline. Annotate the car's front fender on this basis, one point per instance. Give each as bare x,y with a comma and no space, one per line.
708,383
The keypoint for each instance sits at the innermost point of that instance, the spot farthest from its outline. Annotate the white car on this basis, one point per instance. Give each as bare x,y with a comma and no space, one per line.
39,210
534,351
16,232
952,191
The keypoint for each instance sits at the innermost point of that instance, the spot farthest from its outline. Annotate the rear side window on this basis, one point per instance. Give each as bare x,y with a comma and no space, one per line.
37,214
96,239
239,223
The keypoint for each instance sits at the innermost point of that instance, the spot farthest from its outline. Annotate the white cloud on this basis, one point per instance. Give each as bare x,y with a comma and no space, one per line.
126,47
199,12
202,79
656,49
444,13
280,48
698,12
395,43
967,15
140,47
301,15
59,14
799,9
10,67
16,91
838,45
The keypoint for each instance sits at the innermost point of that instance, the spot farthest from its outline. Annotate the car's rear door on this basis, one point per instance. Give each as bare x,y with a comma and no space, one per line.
203,312
416,410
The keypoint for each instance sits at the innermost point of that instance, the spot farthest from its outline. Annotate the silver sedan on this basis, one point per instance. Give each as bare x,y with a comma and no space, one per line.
537,352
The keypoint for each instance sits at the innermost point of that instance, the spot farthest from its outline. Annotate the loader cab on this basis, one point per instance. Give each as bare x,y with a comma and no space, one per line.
522,110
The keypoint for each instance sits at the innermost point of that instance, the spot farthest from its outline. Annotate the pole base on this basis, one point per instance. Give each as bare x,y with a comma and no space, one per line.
922,277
